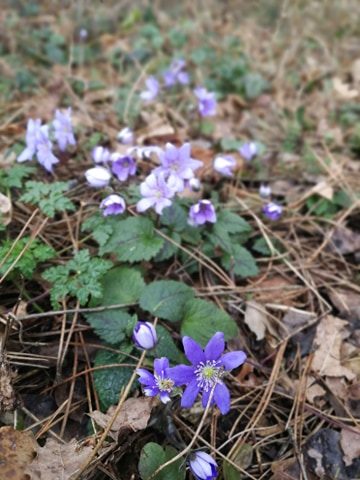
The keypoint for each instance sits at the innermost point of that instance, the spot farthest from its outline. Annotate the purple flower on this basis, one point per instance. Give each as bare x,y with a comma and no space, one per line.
248,150
126,136
272,211
158,383
44,153
178,164
157,192
32,135
152,91
144,335
264,191
113,205
225,165
203,466
123,166
98,177
207,371
207,102
63,130
202,212
175,74
100,154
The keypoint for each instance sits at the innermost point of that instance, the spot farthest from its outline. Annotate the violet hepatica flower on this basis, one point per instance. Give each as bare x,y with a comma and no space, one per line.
177,164
225,164
272,211
156,191
100,154
206,102
126,136
176,74
264,191
44,153
63,129
248,150
158,383
32,135
122,166
98,177
113,205
144,335
202,212
152,90
203,466
206,372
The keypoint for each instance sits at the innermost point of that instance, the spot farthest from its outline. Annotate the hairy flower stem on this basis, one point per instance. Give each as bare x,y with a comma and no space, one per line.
188,448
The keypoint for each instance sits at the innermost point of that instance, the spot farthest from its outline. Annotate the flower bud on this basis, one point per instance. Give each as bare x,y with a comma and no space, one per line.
100,154
225,164
144,335
113,205
264,191
98,177
203,466
126,136
272,211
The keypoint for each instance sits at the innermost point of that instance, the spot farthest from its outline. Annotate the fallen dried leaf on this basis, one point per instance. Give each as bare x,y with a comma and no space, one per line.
347,302
323,189
5,209
256,319
17,450
295,319
330,334
350,443
344,240
343,90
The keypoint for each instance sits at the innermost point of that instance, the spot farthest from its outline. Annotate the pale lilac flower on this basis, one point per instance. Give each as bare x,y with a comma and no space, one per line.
123,166
152,91
113,205
193,184
264,191
144,335
206,372
32,135
178,164
98,177
63,129
158,383
203,466
100,154
272,211
176,74
157,191
248,150
83,34
207,103
225,164
44,153
126,136
202,212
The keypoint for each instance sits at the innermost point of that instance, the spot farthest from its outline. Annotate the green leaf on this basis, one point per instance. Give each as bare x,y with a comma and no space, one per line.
153,456
240,261
14,177
175,217
230,144
49,197
100,227
109,382
134,240
203,319
254,84
232,222
261,246
121,285
112,326
243,458
168,250
166,299
166,346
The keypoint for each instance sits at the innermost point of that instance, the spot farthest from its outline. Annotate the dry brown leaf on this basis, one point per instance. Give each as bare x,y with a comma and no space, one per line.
256,319
350,443
17,450
56,461
278,288
347,302
7,393
313,389
295,319
134,415
286,470
330,334
355,71
5,209
343,90
323,189
344,240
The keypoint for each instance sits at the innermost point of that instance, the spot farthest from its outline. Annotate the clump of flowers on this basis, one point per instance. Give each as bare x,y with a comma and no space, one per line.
207,103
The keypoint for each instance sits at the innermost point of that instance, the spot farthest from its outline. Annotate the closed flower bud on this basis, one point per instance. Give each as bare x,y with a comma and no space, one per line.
100,154
264,191
144,335
113,205
98,177
203,466
272,211
126,136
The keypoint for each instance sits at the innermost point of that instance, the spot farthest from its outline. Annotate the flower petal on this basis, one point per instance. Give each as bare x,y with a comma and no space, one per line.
160,364
215,346
146,378
222,398
144,204
193,351
181,374
233,359
190,394
205,397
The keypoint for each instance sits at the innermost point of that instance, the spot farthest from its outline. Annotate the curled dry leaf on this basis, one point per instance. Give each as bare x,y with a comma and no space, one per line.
344,240
56,461
350,443
134,416
347,302
17,450
330,334
5,209
343,90
256,319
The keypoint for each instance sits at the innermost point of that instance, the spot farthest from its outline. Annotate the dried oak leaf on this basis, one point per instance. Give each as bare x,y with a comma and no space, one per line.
330,334
256,319
56,461
17,450
134,416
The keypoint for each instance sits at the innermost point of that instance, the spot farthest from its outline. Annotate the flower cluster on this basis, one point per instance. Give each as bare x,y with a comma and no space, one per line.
39,139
